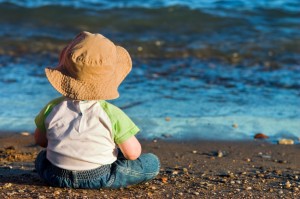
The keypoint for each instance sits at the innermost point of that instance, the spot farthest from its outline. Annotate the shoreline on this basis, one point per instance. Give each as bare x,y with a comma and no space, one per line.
195,169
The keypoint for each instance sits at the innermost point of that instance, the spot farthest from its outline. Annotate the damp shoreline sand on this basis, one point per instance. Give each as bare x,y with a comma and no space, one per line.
195,169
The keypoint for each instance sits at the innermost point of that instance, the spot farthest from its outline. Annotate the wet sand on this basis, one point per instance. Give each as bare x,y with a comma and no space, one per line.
198,169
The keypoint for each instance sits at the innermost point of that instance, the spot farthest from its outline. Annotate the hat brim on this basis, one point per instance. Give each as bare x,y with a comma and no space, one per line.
94,90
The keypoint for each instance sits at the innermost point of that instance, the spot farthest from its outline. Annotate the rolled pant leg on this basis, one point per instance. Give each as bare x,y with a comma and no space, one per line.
131,172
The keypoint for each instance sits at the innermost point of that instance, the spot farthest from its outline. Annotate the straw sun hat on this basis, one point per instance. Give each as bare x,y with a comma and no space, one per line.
91,67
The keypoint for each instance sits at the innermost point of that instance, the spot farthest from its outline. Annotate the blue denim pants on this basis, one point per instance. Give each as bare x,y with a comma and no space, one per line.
121,173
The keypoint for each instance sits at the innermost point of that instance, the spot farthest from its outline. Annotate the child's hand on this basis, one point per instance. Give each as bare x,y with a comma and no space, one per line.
40,138
131,148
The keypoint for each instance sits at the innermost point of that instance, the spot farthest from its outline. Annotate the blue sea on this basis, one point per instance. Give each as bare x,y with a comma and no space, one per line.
205,69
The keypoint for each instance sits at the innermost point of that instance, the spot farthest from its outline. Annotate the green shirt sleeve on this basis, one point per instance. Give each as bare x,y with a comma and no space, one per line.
122,126
40,118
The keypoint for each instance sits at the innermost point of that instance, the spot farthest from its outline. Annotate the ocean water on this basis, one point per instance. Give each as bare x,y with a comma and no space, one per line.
201,69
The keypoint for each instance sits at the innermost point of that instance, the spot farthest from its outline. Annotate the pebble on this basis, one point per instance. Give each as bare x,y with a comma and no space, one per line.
288,185
56,193
140,48
180,193
196,193
286,142
266,156
220,154
25,133
249,188
194,151
168,119
281,161
158,43
175,172
164,179
260,136
10,148
296,189
248,160
7,185
235,125
7,167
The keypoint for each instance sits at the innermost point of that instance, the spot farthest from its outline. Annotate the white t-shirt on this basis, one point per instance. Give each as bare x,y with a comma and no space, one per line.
82,135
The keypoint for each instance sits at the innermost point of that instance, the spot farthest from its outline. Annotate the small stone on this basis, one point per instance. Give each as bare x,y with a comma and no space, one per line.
180,193
25,133
295,189
220,154
286,142
235,55
56,193
153,187
288,185
194,151
168,119
280,192
249,188
266,156
140,48
260,136
248,160
175,172
282,161
196,193
10,148
232,182
185,170
164,179
158,43
235,125
7,185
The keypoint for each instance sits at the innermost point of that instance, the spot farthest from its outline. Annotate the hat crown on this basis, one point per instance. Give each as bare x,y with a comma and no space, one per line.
89,57
91,67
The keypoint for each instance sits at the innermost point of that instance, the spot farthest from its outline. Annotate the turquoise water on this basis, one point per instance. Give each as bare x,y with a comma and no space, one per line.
199,66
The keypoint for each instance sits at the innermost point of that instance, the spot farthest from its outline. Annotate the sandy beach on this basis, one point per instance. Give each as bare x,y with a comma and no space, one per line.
198,169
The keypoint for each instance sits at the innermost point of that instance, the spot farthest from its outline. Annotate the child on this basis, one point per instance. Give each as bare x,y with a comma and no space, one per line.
80,130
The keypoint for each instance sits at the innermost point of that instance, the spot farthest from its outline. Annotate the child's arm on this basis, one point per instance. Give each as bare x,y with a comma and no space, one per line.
40,138
131,148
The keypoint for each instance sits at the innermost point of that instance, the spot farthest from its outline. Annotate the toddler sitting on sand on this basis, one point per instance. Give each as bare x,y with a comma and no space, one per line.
80,130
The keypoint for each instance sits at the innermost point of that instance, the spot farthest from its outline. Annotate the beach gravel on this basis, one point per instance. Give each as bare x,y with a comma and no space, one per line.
184,173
